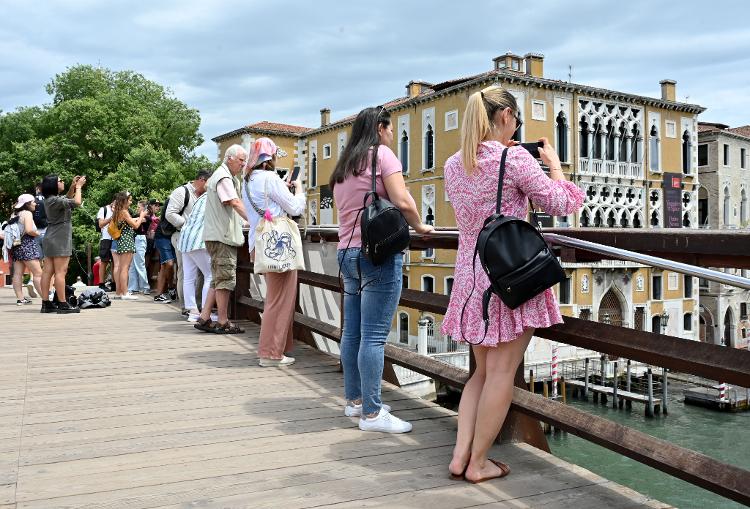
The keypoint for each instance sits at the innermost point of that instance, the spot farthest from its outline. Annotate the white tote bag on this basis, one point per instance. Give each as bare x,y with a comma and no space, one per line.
278,244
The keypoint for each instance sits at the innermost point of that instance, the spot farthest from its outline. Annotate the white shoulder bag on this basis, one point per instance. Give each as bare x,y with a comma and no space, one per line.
278,244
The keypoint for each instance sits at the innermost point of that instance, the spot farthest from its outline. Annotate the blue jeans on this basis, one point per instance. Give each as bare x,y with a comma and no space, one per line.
367,321
137,278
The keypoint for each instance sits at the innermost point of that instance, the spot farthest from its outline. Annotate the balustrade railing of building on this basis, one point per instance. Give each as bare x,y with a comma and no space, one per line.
679,250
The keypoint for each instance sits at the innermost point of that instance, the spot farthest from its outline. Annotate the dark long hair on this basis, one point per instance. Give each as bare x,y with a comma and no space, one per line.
49,186
354,158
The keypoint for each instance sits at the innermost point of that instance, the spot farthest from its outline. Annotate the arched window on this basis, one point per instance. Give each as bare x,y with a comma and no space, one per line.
623,155
686,152
314,171
585,219
448,285
598,219
598,149
428,284
561,134
743,208
637,223
429,219
727,205
610,155
653,149
429,147
405,152
634,145
584,138
611,221
403,328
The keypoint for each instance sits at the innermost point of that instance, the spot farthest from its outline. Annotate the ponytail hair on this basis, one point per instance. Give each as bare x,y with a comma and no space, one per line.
477,123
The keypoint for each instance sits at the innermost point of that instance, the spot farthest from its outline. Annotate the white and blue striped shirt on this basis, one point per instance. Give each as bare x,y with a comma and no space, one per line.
191,236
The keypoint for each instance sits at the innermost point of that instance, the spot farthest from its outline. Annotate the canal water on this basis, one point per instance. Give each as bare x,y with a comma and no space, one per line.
723,436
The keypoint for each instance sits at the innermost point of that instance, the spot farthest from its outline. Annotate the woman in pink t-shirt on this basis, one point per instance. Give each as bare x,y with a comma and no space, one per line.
371,291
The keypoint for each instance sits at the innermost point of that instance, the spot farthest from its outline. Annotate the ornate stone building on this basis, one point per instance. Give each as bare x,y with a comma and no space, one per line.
724,166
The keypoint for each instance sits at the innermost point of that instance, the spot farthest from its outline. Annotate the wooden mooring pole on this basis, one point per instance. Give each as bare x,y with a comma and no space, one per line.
586,380
614,387
664,389
650,404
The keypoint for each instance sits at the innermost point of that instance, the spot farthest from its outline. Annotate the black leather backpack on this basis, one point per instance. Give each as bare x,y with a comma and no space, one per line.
516,258
385,231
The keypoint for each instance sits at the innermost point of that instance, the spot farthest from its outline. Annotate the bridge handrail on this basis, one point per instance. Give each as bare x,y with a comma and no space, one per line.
712,361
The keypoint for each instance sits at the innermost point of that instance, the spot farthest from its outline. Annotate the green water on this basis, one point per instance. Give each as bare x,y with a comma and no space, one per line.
723,436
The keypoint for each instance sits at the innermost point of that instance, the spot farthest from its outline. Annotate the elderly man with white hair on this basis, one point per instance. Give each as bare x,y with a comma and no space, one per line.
222,233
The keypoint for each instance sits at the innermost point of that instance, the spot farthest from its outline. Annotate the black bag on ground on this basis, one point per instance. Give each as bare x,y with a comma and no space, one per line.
516,258
70,295
385,231
93,298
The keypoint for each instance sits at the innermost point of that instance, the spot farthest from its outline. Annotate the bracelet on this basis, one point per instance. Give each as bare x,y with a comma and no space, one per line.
555,169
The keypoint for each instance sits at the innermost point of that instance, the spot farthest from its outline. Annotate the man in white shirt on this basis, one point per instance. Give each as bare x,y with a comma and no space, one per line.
177,212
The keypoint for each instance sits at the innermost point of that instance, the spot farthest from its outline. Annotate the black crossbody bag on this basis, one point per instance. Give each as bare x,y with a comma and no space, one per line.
385,231
516,258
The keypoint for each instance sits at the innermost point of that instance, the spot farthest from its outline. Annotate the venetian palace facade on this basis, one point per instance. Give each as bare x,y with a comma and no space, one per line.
636,157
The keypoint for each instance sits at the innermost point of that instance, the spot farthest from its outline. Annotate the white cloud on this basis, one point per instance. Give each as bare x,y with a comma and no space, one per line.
240,62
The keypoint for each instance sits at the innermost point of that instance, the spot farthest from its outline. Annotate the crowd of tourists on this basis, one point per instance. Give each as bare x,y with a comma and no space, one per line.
198,235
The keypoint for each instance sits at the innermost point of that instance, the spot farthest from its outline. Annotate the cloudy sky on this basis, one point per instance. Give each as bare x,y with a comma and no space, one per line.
240,62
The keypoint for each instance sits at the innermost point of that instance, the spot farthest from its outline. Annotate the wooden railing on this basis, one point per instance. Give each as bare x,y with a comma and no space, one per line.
716,249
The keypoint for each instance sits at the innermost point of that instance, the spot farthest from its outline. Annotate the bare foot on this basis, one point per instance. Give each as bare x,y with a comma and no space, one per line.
489,469
458,463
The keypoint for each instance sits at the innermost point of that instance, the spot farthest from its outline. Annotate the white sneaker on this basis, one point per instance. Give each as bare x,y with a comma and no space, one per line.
384,422
129,296
214,317
356,410
193,318
273,363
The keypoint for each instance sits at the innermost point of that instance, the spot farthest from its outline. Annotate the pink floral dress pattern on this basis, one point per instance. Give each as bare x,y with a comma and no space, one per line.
473,199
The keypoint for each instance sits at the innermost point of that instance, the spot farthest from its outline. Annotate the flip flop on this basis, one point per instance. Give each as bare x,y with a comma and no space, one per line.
504,470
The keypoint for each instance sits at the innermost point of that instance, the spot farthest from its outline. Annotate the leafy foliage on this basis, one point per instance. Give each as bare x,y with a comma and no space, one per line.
122,131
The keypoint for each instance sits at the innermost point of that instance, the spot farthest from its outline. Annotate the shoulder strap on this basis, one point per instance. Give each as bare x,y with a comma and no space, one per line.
187,198
374,164
500,181
257,209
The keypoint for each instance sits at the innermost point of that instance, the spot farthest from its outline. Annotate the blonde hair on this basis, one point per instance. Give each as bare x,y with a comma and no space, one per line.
477,123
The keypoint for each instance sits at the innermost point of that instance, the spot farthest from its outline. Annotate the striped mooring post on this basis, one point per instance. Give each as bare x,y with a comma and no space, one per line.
555,375
722,392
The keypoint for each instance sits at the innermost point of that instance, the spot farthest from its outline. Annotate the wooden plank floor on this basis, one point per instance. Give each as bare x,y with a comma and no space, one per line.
130,407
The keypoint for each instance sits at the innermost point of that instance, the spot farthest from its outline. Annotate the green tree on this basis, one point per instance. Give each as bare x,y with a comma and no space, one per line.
122,131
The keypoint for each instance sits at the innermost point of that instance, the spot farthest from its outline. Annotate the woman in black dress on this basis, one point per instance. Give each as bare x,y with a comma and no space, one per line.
58,241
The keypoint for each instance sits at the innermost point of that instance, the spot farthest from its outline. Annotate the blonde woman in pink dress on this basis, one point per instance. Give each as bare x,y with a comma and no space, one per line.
471,177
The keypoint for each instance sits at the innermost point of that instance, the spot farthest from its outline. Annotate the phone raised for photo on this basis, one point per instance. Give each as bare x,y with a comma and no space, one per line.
533,148
295,174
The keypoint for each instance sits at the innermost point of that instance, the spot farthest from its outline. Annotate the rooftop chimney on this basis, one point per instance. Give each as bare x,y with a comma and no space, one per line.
508,61
414,88
325,117
668,90
534,64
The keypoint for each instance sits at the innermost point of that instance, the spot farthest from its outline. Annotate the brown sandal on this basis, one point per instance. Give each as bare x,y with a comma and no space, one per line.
204,325
227,328
504,470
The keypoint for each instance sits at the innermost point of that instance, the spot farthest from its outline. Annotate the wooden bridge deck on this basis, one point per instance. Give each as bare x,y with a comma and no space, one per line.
130,407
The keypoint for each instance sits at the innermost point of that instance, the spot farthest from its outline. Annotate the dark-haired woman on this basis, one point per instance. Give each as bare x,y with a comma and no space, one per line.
471,180
372,292
58,240
27,254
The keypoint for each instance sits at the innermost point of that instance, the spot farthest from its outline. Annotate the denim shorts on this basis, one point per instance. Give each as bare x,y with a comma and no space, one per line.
166,251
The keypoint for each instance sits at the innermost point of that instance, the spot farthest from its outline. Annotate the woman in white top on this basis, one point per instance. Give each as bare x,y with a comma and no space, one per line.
263,189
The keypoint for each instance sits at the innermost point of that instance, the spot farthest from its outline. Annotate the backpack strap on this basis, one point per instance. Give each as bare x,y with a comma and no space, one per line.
187,198
500,181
